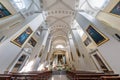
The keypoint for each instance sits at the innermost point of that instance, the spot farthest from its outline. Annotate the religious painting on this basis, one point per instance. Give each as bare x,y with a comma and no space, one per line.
3,11
116,9
87,41
96,35
32,42
20,40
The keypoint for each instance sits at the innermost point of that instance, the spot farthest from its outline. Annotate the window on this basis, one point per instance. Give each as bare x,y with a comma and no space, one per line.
87,41
72,56
117,37
97,4
20,4
78,53
59,46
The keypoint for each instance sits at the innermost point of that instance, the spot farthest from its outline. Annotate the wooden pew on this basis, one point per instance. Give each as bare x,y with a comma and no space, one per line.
110,78
92,76
78,75
33,75
5,77
22,76
42,75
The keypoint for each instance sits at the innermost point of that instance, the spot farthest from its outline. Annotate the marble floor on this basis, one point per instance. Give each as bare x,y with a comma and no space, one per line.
59,77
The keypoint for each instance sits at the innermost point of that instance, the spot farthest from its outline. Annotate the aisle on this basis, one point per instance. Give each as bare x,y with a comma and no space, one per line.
59,77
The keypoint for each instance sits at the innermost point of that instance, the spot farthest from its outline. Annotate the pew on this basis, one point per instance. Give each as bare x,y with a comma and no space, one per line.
92,76
34,75
110,78
5,77
42,75
81,75
21,76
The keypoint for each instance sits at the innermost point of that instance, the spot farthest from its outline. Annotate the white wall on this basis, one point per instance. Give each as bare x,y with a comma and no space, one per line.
111,19
9,51
109,50
86,60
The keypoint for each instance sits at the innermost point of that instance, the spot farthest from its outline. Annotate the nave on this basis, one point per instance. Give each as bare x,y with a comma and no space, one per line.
40,39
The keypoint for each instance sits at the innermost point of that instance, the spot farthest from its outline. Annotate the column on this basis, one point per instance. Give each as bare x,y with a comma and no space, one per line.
35,56
46,50
75,60
86,61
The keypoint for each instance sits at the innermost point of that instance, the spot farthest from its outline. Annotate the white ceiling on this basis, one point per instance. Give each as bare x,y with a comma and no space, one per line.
60,14
59,17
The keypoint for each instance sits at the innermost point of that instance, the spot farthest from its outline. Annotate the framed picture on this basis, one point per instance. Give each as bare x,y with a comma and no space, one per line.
32,42
96,35
116,9
87,41
3,11
20,39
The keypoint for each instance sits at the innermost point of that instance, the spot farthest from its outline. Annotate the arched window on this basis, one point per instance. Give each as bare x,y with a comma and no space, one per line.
20,4
59,46
98,4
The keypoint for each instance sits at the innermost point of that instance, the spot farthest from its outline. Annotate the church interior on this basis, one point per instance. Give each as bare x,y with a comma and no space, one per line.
59,39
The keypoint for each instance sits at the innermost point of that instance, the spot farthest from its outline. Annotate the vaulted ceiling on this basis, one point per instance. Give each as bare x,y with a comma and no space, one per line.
59,17
59,14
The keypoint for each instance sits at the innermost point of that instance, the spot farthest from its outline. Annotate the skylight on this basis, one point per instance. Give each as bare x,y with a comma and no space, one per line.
20,4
